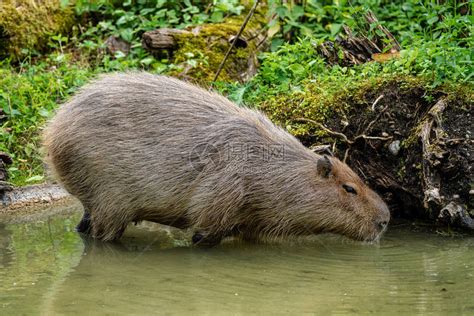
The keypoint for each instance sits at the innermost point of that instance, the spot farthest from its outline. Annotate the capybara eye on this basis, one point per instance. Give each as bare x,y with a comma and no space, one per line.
349,189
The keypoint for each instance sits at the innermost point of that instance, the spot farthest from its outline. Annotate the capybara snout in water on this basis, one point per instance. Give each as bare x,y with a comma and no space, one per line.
137,147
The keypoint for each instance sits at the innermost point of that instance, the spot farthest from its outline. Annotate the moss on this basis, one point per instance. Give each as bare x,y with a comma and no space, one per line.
198,56
27,24
318,101
323,101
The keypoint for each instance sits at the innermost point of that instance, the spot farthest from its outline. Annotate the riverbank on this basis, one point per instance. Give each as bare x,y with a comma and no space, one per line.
29,200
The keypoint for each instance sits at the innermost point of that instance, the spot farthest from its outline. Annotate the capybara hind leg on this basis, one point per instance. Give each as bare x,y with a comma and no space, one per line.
84,226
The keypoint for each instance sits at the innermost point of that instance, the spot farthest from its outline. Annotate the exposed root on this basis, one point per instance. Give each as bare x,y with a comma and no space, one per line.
432,154
346,139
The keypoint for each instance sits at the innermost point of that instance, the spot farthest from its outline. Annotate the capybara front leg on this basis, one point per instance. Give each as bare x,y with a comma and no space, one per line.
85,225
203,239
214,209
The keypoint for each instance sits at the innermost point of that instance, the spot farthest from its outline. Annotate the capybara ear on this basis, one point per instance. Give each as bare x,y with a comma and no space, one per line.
324,166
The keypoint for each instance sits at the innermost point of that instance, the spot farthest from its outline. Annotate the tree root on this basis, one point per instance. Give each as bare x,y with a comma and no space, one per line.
432,154
434,140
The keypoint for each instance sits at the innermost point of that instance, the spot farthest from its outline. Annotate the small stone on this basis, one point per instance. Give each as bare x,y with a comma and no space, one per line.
384,134
394,147
46,199
471,192
456,196
115,44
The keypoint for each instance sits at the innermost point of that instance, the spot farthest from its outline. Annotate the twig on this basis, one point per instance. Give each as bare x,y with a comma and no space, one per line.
371,18
372,137
346,154
369,126
376,101
327,130
247,18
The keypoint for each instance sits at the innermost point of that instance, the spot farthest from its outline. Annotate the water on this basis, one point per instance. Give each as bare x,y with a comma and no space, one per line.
47,269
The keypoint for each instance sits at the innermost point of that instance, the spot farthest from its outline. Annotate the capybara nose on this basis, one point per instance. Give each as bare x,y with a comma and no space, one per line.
382,224
383,217
382,220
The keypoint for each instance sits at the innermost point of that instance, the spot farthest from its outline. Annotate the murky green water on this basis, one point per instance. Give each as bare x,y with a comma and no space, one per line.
47,269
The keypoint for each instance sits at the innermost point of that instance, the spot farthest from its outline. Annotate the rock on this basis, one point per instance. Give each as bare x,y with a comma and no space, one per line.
5,158
456,214
4,161
394,147
116,44
3,116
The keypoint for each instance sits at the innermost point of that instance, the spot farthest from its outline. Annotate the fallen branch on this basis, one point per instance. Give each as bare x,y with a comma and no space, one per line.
161,39
247,18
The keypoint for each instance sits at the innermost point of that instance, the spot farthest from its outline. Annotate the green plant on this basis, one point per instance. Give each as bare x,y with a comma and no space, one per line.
28,96
408,20
128,20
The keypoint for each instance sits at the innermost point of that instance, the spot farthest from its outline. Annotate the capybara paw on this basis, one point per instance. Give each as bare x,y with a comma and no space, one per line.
203,240
85,225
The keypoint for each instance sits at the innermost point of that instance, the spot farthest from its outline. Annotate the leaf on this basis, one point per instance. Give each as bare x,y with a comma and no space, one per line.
432,20
43,112
147,60
126,34
273,30
281,11
297,12
217,16
35,178
297,69
335,28
385,57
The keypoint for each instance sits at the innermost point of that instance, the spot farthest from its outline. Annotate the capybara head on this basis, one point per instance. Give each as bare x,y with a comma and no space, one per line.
349,207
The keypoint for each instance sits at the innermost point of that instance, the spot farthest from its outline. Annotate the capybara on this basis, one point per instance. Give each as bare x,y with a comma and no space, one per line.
137,146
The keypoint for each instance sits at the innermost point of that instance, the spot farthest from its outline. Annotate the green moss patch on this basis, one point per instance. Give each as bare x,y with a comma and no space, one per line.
26,25
198,56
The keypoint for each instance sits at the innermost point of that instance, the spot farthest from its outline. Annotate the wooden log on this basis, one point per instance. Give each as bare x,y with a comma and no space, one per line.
161,39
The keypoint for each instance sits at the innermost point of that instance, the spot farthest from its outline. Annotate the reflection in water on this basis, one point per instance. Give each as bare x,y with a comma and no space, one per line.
6,256
45,268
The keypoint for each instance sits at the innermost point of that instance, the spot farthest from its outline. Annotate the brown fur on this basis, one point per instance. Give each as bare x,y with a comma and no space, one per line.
142,147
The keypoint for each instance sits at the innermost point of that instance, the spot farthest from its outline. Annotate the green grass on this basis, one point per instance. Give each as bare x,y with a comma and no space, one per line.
29,95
